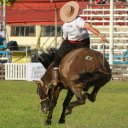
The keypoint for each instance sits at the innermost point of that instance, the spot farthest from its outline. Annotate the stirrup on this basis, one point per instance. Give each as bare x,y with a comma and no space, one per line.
55,76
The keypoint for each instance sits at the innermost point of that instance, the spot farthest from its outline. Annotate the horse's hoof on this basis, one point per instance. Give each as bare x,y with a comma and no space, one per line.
91,98
47,122
61,121
68,111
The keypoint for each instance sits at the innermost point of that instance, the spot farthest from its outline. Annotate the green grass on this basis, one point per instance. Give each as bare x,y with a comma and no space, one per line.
20,108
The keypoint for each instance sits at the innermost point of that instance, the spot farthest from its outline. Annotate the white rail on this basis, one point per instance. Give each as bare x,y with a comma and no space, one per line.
23,71
15,71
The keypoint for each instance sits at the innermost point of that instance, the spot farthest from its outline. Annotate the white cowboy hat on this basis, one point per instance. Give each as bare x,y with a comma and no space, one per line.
69,11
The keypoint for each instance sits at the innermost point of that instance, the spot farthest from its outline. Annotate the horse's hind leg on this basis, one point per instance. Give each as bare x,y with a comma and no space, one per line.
92,96
98,84
65,105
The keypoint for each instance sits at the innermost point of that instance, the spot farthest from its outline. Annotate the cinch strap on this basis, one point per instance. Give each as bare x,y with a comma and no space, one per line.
77,42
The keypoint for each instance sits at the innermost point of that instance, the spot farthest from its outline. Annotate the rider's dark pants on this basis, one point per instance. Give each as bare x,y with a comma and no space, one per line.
66,47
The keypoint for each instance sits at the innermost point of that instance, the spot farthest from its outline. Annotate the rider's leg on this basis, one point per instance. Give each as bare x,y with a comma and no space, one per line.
55,72
63,50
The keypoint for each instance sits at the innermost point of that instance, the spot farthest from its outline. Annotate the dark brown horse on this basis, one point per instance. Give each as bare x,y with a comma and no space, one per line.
79,70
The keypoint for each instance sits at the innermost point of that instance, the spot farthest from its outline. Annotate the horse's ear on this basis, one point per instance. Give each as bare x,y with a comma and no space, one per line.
37,82
40,82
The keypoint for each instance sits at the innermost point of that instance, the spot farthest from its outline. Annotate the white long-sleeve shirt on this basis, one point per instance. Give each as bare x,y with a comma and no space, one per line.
75,30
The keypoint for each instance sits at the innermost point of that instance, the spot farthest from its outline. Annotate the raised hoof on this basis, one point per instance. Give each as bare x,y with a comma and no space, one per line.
61,121
91,98
68,111
47,122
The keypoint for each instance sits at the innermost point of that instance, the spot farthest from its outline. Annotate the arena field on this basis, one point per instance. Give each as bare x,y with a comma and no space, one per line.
20,108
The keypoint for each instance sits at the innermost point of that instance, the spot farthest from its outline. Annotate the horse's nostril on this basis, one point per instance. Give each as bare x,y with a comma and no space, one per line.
44,106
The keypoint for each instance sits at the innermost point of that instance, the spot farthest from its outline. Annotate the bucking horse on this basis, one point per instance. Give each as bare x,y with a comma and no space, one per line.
78,71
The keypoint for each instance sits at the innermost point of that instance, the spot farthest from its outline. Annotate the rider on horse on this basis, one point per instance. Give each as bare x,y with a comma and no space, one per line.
75,34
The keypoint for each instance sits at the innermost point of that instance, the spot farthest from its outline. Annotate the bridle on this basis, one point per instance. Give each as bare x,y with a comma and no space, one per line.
41,83
44,100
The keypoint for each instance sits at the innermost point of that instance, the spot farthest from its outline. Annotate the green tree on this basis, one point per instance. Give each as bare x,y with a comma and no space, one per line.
8,1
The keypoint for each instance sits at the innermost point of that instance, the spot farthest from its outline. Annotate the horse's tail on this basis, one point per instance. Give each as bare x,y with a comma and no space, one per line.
105,67
47,57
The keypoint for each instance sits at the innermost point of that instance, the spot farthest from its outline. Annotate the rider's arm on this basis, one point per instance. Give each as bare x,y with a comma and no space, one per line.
95,31
64,33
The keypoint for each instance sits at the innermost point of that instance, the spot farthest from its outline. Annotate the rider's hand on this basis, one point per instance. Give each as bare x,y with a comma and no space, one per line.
103,37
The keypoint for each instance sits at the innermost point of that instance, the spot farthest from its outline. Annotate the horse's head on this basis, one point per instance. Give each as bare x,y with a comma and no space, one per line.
42,90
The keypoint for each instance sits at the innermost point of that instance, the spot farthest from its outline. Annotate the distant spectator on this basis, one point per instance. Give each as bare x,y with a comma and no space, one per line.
126,52
1,36
100,1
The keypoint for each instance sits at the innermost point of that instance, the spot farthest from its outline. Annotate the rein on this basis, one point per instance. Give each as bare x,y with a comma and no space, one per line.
104,51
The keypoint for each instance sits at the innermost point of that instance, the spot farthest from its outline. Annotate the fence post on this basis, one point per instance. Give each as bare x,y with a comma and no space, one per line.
2,72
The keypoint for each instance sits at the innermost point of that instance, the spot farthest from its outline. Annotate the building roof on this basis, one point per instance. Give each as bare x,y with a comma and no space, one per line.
35,12
42,12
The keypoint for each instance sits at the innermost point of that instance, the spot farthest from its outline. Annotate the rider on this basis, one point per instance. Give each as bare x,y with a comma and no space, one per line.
75,34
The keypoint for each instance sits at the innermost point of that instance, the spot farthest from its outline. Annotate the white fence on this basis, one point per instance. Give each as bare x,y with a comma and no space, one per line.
120,71
25,71
34,71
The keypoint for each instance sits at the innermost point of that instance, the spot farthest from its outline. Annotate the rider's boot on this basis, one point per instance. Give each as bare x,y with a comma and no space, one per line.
55,76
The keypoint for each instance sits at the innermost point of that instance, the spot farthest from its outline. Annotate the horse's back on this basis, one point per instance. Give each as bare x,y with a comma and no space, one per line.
81,61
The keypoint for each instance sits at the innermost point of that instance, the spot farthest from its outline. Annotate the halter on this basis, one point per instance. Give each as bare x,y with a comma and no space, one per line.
43,85
44,99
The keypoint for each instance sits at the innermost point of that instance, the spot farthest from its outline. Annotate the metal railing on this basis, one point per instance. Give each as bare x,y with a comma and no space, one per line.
99,17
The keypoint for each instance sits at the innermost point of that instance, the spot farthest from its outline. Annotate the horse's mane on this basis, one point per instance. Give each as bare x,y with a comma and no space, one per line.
47,57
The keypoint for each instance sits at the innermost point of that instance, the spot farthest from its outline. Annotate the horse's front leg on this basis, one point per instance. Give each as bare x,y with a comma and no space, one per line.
77,90
53,104
74,104
65,105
